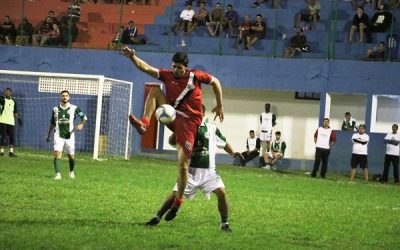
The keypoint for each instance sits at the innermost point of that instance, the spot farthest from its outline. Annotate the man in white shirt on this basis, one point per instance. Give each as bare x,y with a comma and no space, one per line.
253,149
324,138
392,141
185,22
268,121
360,152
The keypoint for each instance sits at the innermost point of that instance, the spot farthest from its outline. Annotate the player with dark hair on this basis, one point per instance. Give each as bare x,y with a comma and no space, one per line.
62,119
267,121
183,92
202,172
8,113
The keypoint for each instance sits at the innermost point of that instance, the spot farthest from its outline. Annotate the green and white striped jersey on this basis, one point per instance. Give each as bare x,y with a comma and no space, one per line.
208,138
63,119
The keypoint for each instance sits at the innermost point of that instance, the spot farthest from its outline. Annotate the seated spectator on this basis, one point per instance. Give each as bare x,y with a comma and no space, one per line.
230,21
244,32
349,123
377,54
53,38
275,3
277,152
117,41
8,31
216,18
200,18
253,145
69,32
24,32
381,20
42,34
257,31
74,11
310,14
360,24
52,16
297,44
130,36
185,22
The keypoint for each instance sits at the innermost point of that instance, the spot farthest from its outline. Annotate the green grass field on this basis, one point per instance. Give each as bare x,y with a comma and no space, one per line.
106,205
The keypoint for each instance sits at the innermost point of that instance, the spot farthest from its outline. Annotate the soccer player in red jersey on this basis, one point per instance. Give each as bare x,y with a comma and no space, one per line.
183,92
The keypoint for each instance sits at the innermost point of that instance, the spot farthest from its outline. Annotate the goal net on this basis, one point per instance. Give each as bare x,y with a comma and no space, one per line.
106,102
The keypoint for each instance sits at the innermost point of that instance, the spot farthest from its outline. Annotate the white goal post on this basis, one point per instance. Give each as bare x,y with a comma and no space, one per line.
106,101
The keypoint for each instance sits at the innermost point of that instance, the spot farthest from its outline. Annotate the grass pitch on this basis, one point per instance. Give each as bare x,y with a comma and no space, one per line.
106,206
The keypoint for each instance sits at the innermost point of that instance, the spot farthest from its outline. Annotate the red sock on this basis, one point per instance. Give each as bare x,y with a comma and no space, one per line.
145,121
178,202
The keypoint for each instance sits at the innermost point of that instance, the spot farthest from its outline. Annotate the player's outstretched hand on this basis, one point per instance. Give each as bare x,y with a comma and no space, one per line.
128,51
79,127
219,112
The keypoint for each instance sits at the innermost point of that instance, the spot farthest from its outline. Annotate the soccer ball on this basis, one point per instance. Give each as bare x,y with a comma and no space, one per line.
165,114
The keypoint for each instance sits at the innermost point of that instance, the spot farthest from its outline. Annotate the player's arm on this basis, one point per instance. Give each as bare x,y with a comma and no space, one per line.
219,111
332,139
139,63
51,127
273,120
83,117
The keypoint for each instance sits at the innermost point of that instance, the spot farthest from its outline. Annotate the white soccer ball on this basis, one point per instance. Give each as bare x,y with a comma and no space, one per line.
165,114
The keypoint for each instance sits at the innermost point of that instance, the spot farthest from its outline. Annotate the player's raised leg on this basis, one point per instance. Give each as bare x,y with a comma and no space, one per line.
154,99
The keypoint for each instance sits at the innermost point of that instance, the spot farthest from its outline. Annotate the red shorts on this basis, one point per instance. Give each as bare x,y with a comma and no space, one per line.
185,129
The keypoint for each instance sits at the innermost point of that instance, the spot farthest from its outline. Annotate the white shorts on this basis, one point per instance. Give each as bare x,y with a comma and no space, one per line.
204,179
64,145
266,136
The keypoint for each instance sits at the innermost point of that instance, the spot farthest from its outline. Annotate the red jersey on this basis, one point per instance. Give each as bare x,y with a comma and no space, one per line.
184,93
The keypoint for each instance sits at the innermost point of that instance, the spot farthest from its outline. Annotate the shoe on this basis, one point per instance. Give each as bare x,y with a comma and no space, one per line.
12,154
171,214
1,154
138,124
153,222
58,176
225,228
72,175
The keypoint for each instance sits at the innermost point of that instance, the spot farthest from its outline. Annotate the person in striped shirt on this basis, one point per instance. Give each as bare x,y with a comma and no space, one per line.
277,152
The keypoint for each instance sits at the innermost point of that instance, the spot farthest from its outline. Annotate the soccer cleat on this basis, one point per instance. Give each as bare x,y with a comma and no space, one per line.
153,222
138,124
58,176
225,228
72,175
12,154
171,214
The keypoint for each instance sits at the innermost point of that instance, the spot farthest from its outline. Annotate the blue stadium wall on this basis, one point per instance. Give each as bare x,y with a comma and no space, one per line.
315,75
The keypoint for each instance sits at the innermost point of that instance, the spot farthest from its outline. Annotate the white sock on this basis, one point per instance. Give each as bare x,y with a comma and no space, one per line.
11,150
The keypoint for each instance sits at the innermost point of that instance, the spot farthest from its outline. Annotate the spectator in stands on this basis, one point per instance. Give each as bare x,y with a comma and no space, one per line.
324,138
381,20
297,44
244,31
349,123
24,32
360,24
359,154
52,16
69,32
277,152
74,11
231,21
310,14
53,38
42,34
185,22
377,54
216,18
275,3
200,18
130,36
253,145
8,31
257,31
115,44
392,141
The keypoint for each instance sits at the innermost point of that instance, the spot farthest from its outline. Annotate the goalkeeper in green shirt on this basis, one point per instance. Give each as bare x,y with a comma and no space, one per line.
202,173
62,123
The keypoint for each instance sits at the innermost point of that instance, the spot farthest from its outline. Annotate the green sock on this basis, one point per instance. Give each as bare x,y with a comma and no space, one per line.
57,165
71,165
224,219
